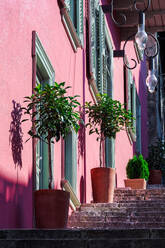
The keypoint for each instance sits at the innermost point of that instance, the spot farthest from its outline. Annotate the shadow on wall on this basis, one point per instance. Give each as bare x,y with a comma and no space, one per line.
15,204
16,134
81,138
15,197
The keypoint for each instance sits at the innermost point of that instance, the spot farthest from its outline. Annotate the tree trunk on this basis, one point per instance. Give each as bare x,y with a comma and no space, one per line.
49,161
100,152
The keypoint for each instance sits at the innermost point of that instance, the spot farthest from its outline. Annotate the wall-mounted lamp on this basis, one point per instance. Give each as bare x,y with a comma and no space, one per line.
141,36
141,39
151,80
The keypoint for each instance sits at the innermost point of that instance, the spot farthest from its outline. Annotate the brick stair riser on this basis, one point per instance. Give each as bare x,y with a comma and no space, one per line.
127,198
133,213
145,204
116,225
128,218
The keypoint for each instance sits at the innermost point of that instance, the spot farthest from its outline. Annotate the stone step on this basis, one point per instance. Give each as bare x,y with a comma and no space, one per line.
112,219
122,243
150,194
76,234
118,205
116,225
121,214
86,238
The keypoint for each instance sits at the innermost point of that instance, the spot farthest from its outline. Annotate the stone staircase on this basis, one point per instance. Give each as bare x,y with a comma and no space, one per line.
139,238
135,219
131,209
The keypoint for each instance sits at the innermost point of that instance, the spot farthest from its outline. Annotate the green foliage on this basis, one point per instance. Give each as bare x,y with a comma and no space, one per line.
137,167
107,117
52,113
156,156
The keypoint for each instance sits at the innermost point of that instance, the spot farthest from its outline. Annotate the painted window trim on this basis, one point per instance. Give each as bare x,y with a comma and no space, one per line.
74,38
74,202
110,155
71,171
109,42
138,125
41,54
93,89
131,134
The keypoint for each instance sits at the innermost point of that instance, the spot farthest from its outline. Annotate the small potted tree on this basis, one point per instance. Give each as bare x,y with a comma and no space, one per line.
137,173
156,162
53,115
105,119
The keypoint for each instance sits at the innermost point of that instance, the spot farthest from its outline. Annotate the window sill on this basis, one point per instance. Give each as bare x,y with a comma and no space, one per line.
93,89
131,135
70,29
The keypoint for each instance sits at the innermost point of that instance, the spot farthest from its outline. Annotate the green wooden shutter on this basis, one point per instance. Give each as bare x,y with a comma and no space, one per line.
80,19
101,52
92,38
129,88
134,105
110,152
138,125
104,76
71,159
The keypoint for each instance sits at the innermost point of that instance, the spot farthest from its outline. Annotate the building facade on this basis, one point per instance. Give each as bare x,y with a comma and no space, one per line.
63,41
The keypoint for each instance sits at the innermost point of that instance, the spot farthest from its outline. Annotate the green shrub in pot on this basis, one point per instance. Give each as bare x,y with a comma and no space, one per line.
137,167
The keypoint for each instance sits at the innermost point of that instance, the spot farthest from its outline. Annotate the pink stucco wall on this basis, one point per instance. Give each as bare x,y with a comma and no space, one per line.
18,19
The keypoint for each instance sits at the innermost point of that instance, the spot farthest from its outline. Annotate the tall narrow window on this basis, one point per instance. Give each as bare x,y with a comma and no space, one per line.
138,125
44,75
71,159
72,17
130,100
108,89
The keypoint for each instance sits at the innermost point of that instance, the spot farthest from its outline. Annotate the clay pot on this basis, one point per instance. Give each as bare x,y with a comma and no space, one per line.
137,183
155,177
51,208
103,184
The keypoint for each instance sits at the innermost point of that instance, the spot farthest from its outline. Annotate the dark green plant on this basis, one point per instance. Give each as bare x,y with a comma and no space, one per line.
156,156
106,118
137,167
53,115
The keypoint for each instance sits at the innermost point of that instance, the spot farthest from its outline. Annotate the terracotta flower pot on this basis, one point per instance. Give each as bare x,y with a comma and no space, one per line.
155,177
103,184
137,183
51,208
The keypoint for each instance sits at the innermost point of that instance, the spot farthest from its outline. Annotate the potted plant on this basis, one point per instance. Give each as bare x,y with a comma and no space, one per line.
137,173
53,115
156,162
105,119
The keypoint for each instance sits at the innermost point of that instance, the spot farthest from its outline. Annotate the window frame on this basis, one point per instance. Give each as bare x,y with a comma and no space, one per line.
75,36
45,66
130,101
70,159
